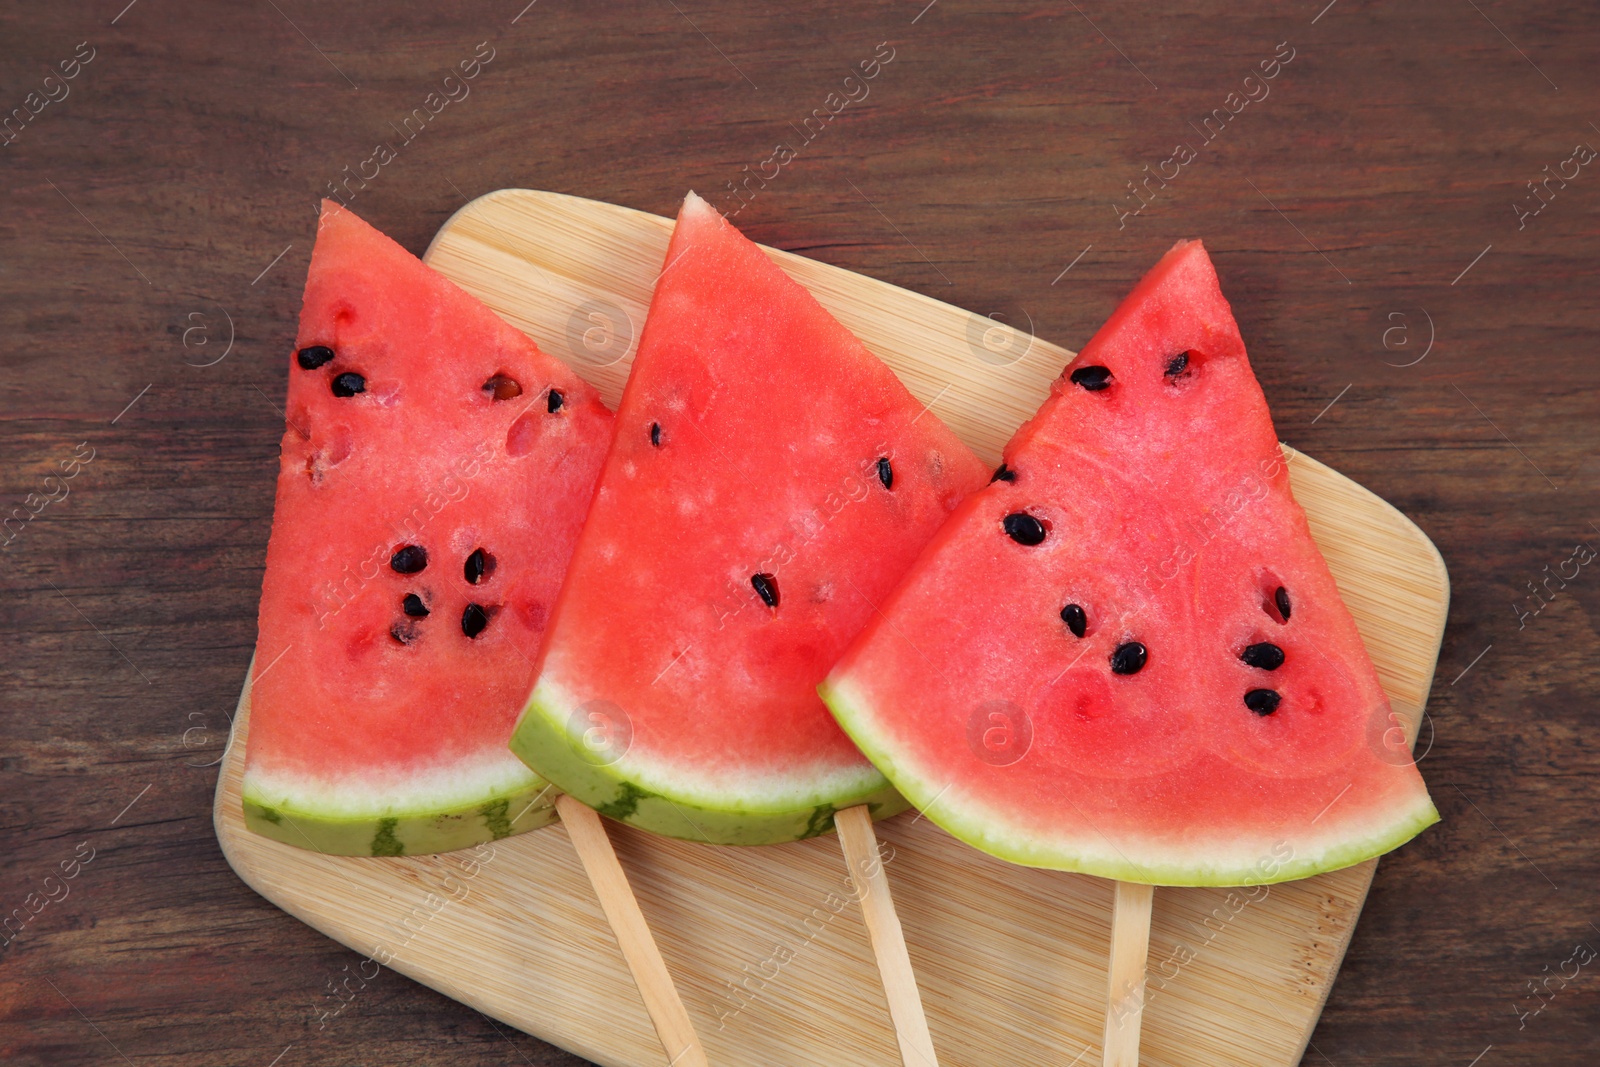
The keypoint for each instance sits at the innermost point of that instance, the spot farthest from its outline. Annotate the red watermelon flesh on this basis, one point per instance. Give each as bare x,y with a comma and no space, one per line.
1217,721
433,476
769,482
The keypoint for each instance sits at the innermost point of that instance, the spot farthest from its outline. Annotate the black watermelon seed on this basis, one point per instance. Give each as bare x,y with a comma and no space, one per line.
349,384
655,434
476,567
410,559
473,620
1073,615
1177,364
1266,655
1281,598
313,356
1024,529
501,387
885,472
554,403
766,587
1093,379
1262,701
412,605
1003,473
1129,658
403,632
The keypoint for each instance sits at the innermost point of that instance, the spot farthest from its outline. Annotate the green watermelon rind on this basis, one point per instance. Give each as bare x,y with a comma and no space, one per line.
404,833
1205,867
634,793
442,826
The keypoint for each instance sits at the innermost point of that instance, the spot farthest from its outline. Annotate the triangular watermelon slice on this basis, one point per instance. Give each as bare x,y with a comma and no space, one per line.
433,476
1127,656
769,482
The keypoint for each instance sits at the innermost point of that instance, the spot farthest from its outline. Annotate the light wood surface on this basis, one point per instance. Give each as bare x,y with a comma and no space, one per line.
1131,905
772,963
660,996
865,864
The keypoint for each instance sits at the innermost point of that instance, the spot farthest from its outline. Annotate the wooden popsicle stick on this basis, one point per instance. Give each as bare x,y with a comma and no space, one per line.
1130,945
638,945
860,846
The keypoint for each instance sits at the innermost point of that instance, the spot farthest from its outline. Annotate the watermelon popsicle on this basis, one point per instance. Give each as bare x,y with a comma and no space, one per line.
769,481
1142,667
433,474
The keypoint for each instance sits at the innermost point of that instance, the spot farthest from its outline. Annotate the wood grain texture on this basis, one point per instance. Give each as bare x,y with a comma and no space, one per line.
1035,943
992,149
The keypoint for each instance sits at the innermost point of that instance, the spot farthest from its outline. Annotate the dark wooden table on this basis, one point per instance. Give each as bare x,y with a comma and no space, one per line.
1415,322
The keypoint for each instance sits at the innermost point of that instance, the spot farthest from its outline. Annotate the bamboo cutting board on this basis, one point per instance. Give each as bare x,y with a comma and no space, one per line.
767,947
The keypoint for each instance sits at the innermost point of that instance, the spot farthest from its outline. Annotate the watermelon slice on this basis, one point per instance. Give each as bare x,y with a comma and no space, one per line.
1126,656
769,482
433,476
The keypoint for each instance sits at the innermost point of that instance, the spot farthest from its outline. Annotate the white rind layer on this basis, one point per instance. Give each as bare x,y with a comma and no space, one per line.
797,786
379,795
